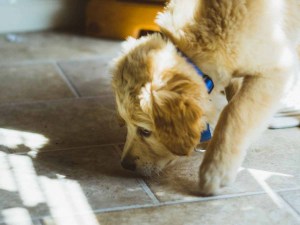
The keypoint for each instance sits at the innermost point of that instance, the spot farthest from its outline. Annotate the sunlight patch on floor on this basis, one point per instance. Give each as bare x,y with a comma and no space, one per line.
7,181
16,216
26,180
14,138
64,198
261,177
67,201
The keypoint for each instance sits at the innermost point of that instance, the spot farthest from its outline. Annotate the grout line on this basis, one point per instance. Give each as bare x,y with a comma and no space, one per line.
168,203
148,191
198,199
50,61
96,57
67,81
67,149
118,151
123,208
292,210
54,100
289,207
287,189
284,204
144,185
27,63
116,146
217,197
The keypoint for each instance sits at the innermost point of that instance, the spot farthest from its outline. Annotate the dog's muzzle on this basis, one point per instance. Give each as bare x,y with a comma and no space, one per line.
128,163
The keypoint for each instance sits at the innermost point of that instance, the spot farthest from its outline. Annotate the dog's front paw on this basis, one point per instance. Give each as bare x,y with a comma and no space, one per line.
213,176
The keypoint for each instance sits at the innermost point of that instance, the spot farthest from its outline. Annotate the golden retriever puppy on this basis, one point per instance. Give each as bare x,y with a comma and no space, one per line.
248,47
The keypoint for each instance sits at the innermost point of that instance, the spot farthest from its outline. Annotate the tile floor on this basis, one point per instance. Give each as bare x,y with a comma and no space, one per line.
60,147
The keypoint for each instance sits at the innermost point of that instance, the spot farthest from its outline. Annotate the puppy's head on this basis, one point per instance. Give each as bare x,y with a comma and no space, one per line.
161,99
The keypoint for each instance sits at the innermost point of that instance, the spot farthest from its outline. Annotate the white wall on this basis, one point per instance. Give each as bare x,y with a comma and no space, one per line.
32,15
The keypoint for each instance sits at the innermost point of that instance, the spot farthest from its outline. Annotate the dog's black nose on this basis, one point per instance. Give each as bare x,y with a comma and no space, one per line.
128,163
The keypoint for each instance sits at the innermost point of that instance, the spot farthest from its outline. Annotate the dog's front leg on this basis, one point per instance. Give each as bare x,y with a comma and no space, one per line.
241,120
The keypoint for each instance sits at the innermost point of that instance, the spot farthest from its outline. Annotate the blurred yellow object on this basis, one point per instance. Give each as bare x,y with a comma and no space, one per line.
120,19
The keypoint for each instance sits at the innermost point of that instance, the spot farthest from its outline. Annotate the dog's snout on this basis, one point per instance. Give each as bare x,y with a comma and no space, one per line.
128,163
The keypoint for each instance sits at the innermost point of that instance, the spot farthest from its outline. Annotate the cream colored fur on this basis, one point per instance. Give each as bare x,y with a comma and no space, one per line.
246,46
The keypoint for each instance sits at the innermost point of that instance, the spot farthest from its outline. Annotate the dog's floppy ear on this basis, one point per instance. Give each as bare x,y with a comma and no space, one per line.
131,69
177,114
124,69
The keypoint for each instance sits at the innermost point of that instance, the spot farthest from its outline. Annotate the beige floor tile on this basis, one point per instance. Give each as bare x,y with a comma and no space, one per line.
272,163
68,184
31,83
89,77
59,124
64,183
54,46
293,199
243,211
274,159
180,181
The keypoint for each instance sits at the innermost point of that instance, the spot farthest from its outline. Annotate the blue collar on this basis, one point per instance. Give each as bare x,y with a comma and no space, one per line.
207,80
206,134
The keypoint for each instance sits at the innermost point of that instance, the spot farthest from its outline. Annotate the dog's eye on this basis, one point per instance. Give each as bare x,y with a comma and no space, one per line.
143,132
